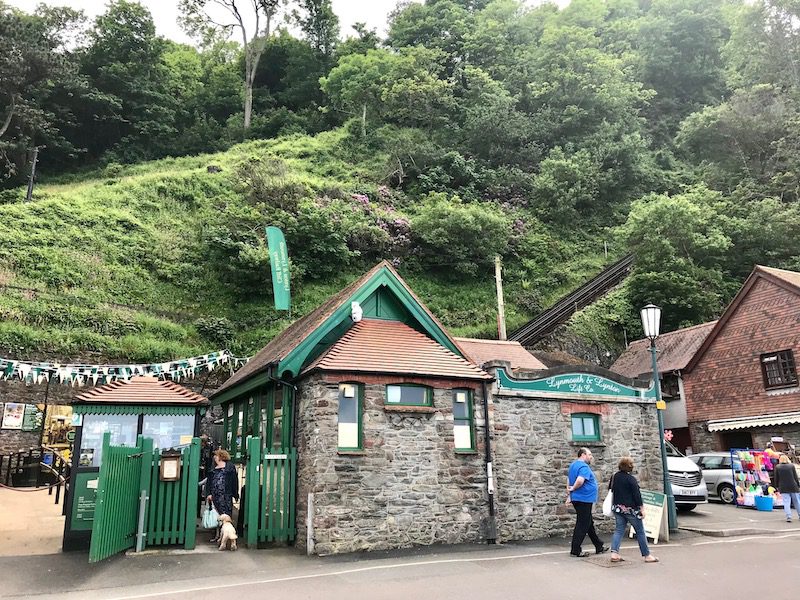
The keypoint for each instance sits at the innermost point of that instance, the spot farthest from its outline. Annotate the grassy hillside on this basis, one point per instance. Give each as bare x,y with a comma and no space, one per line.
165,259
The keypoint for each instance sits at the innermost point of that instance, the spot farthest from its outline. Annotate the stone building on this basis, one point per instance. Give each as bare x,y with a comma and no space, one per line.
407,436
741,385
675,350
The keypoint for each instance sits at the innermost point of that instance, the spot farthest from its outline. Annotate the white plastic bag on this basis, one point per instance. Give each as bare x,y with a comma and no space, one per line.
608,503
210,517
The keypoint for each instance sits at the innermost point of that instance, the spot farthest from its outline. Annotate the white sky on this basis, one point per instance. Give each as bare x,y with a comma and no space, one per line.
165,13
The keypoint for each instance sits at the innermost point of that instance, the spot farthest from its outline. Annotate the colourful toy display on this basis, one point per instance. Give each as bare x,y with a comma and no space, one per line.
751,473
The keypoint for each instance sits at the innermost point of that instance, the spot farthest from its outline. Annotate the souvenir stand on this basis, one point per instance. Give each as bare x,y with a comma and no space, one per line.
752,475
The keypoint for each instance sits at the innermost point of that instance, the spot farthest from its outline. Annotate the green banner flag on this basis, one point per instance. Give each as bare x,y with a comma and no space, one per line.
279,263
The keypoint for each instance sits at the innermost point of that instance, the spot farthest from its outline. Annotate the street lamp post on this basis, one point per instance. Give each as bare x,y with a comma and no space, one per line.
651,323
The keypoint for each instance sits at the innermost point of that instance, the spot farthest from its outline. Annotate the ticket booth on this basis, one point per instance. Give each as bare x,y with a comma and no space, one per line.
164,411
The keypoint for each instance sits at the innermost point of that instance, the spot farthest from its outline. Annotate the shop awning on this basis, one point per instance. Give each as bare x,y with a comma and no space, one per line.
759,421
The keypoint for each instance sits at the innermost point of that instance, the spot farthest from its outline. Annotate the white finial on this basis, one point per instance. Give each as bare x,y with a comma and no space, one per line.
355,312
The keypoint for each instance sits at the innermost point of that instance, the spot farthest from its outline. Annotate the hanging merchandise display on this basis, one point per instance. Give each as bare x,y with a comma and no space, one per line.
80,374
751,473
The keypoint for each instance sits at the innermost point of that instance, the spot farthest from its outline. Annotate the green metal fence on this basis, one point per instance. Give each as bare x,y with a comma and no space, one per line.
270,494
171,513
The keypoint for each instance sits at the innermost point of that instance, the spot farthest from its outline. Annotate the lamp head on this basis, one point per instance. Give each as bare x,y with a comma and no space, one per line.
651,321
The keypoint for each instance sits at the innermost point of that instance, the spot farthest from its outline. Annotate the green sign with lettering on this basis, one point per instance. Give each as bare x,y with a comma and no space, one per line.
279,264
84,500
571,384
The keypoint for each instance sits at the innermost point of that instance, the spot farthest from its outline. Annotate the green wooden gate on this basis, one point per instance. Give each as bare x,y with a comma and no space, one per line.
171,511
118,486
270,494
172,505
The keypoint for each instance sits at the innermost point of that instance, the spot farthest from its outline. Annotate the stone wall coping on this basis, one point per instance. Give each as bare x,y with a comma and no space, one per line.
410,409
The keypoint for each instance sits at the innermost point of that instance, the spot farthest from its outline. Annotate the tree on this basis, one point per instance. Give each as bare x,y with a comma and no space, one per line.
400,87
320,26
35,62
364,41
255,29
680,57
134,113
681,243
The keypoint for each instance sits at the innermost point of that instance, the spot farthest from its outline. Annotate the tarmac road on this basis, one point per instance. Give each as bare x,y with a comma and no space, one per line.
692,567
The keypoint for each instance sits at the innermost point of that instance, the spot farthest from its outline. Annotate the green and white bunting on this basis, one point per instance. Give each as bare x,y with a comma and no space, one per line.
79,374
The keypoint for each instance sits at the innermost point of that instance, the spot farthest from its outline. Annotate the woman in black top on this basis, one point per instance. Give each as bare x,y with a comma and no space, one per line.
628,508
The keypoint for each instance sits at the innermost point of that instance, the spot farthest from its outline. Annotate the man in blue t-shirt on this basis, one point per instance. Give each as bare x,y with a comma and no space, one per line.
582,492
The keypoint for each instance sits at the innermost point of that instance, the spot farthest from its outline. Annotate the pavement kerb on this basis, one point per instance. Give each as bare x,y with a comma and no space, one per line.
731,532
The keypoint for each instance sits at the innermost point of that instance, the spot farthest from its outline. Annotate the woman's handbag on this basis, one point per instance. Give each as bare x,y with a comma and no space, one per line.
608,503
210,517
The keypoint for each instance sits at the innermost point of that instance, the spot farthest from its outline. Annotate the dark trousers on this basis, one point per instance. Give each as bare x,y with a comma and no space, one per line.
584,524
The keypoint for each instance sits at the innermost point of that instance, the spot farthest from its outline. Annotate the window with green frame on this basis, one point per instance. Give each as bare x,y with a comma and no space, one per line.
585,427
409,395
350,434
463,421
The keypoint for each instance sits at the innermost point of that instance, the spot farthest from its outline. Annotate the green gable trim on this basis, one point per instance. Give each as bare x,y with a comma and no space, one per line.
383,281
139,409
243,388
573,384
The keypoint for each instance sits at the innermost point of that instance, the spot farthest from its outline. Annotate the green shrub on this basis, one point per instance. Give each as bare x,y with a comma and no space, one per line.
459,238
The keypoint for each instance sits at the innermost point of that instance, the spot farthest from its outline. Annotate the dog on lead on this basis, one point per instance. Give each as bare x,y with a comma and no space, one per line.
227,534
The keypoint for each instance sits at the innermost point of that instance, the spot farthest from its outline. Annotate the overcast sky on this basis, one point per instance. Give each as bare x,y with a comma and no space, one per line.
165,12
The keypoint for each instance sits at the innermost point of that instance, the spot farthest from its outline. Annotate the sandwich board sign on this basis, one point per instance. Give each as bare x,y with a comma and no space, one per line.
655,516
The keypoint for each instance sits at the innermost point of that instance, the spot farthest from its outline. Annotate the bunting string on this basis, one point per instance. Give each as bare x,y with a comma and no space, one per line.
78,375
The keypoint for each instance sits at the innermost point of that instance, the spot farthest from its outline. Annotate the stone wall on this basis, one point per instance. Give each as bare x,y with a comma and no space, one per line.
702,439
408,487
533,450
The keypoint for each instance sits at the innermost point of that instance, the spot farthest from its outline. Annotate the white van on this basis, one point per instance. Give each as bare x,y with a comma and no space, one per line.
688,486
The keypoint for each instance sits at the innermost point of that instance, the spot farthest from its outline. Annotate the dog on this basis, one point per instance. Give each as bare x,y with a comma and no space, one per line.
227,533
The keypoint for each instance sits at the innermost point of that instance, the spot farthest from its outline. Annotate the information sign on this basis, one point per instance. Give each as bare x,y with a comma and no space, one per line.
655,516
85,499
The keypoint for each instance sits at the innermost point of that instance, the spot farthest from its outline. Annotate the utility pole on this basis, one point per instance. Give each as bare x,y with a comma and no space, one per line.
501,307
33,174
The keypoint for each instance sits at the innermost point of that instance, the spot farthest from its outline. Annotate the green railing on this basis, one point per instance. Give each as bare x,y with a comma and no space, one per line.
270,494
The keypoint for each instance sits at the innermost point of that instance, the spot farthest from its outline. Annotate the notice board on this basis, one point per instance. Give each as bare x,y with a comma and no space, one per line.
655,516
85,499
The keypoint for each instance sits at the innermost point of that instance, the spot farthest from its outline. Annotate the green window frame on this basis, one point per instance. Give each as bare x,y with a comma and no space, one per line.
463,421
585,427
415,395
349,418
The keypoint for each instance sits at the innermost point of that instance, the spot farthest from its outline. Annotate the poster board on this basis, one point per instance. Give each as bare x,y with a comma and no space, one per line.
32,418
13,414
655,516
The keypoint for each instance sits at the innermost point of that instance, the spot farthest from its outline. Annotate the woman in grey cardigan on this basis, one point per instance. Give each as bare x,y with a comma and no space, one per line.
788,485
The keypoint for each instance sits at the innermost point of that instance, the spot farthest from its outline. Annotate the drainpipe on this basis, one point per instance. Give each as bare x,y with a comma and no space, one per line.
491,535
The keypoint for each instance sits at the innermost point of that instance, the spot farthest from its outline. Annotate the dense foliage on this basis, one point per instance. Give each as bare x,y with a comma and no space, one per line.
667,128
